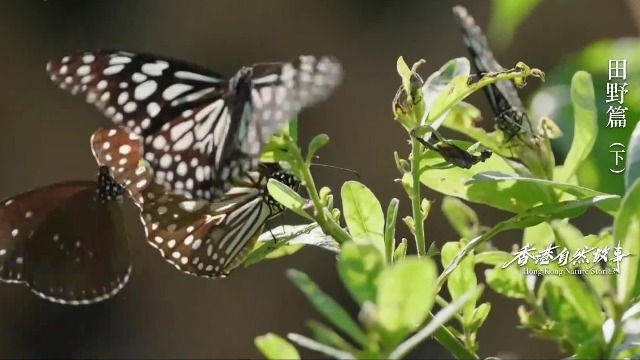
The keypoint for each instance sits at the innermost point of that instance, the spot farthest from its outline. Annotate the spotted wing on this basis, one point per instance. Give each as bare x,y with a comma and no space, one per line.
66,241
206,239
503,95
121,151
281,90
174,106
198,237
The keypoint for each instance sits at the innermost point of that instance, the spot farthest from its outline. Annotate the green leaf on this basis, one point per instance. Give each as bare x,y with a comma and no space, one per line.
538,236
479,316
401,251
579,192
590,349
330,309
512,196
462,217
460,87
493,258
438,81
405,72
287,240
509,282
575,309
626,235
363,214
405,296
585,116
293,130
570,237
462,278
321,348
390,229
327,336
441,318
463,118
287,197
273,347
632,172
506,17
315,144
274,154
452,93
359,267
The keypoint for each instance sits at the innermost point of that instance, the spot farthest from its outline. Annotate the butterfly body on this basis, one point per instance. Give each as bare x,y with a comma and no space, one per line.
510,121
510,113
201,131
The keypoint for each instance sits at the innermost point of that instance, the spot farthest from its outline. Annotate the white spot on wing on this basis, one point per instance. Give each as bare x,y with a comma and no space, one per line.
155,69
112,70
145,89
175,90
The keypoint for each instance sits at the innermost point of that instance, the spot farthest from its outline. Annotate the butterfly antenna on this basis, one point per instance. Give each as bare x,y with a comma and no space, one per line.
357,174
275,240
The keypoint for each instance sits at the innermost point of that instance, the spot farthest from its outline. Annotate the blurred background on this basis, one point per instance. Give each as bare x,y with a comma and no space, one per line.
162,313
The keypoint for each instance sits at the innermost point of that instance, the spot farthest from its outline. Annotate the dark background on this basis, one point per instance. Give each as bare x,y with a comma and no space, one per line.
163,313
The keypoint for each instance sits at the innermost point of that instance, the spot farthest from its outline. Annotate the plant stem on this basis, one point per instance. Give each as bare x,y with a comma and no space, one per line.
416,155
327,225
451,343
442,302
507,75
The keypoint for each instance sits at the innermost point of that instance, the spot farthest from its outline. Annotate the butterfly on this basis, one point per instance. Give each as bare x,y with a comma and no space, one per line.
510,115
201,131
452,153
66,241
198,237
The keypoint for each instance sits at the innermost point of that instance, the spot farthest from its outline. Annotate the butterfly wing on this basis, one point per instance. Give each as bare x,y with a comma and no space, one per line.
201,238
121,151
19,218
502,95
73,247
196,236
176,107
281,90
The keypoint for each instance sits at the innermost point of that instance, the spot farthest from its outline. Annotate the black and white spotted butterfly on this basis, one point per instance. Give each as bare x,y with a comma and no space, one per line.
197,236
510,115
66,241
201,131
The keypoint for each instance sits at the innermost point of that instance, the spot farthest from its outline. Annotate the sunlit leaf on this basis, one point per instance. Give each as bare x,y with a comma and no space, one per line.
509,282
288,239
462,278
390,230
632,171
441,318
626,234
287,197
585,115
273,347
311,344
462,217
438,81
363,214
359,267
405,296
